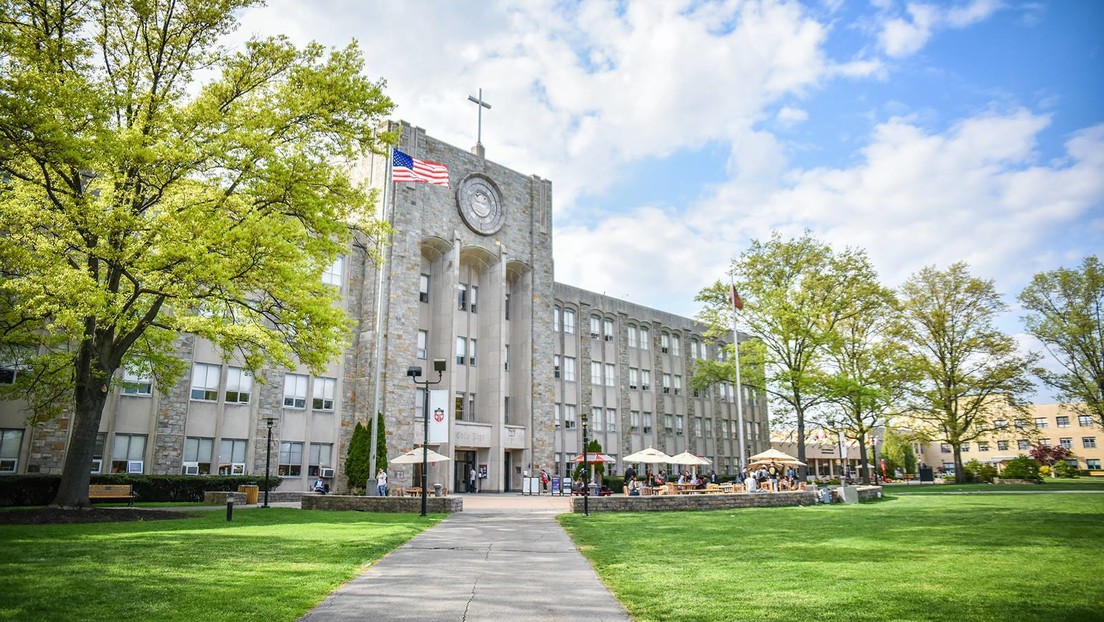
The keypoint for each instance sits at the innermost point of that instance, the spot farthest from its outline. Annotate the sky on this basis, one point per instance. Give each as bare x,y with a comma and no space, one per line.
676,132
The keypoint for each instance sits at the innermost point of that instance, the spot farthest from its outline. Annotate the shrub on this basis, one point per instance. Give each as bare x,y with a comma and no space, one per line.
1021,467
1063,469
979,472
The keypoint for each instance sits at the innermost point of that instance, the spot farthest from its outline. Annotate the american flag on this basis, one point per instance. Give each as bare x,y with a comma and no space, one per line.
406,169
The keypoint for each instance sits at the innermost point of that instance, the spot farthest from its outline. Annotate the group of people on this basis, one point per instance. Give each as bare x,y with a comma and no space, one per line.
769,478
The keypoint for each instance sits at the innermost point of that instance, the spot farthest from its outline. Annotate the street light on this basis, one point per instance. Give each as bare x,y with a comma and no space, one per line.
586,474
415,372
268,457
874,450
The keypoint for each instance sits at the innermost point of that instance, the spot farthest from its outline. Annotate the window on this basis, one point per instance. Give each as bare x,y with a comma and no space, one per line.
1040,422
423,288
943,448
205,381
676,345
595,372
1084,421
198,450
1020,424
556,326
607,329
458,407
965,448
291,459
679,425
666,383
555,365
647,420
611,420
645,337
11,440
295,391
1092,464
506,306
569,321
462,296
471,352
634,379
983,446
709,428
664,342
634,420
474,292
470,413
239,385
506,360
669,423
699,427
569,416
333,274
611,375
596,419
135,384
1002,445
320,456
419,404
506,409
8,371
632,336
232,456
1062,421
461,350
694,349
556,416
98,452
678,384
126,457
1088,442
1001,424
324,391
595,327
423,340
569,368
645,379
1023,445
1066,443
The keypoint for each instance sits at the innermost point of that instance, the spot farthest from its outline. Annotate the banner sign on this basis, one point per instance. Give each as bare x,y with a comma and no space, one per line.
438,417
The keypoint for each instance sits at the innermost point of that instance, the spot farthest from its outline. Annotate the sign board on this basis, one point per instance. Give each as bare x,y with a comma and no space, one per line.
438,417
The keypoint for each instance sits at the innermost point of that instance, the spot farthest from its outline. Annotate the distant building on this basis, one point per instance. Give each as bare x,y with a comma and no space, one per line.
468,278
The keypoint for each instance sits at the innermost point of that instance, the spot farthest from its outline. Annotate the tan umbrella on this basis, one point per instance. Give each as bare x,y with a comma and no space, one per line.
650,455
690,459
414,456
773,455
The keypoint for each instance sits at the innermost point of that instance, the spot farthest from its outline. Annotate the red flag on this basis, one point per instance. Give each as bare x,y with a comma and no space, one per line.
734,298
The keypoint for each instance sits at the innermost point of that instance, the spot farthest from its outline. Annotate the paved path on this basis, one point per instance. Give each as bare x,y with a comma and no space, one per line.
503,558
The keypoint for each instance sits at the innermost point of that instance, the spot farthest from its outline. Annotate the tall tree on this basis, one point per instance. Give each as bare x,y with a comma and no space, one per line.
158,184
970,376
898,451
381,444
795,292
358,467
1065,311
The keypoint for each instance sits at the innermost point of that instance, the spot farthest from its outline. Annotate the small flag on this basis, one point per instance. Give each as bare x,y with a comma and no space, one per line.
734,298
406,169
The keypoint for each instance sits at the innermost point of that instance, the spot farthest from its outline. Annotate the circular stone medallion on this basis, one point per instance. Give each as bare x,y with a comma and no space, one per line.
480,204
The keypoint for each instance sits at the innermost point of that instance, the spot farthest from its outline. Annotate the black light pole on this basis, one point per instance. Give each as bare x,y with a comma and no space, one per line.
586,473
415,372
874,449
268,457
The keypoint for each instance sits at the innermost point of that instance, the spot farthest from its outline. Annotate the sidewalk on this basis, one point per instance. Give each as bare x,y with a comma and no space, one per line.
503,558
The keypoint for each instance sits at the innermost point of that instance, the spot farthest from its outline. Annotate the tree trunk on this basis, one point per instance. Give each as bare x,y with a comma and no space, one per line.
90,397
960,475
864,464
803,470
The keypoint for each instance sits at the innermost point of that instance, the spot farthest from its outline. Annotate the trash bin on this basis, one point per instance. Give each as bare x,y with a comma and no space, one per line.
252,492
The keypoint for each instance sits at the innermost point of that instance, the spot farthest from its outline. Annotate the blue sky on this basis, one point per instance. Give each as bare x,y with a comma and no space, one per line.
676,132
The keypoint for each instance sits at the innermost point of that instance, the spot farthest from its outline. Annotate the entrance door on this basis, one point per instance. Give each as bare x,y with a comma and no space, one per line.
465,461
506,473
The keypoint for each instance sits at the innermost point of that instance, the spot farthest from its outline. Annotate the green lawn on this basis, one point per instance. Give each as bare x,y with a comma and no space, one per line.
1048,485
916,557
268,564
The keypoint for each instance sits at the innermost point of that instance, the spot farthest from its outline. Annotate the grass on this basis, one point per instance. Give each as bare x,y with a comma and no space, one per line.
909,557
1048,485
268,564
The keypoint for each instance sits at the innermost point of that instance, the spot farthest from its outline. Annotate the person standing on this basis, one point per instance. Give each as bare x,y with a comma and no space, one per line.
544,480
630,473
471,479
381,483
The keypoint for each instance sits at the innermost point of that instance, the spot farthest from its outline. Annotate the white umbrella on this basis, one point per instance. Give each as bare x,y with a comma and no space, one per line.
773,455
414,456
650,455
690,459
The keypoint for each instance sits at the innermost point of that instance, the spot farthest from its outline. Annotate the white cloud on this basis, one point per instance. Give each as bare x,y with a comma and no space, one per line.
789,116
906,35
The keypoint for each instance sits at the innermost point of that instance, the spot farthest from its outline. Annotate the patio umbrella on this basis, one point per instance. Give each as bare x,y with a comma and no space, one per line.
595,458
650,455
690,459
414,456
773,455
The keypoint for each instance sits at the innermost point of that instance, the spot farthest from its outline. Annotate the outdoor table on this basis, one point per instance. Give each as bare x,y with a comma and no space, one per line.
413,491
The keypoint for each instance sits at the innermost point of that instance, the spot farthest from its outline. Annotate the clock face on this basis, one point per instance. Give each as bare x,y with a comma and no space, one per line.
480,204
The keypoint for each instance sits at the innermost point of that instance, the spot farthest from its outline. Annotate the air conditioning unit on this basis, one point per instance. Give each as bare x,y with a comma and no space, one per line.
237,468
8,465
135,466
191,468
328,473
97,466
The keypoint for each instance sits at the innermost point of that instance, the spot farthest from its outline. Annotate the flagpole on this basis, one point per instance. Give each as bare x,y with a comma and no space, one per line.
385,215
739,391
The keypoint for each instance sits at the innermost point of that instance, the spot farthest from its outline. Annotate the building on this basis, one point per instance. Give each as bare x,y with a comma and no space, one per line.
468,278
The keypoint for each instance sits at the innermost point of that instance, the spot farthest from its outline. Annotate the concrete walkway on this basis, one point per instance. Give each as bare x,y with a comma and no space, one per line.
503,558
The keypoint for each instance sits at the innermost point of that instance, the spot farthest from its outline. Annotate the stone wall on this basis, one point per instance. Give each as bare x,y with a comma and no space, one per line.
698,502
407,505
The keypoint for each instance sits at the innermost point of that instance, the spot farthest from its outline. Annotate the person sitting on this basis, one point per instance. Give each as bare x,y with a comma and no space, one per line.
320,486
634,487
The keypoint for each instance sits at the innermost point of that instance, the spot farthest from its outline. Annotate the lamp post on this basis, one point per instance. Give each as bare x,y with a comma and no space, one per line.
415,372
874,450
268,457
586,474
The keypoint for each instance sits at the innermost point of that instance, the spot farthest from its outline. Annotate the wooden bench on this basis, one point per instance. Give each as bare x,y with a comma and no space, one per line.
99,492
